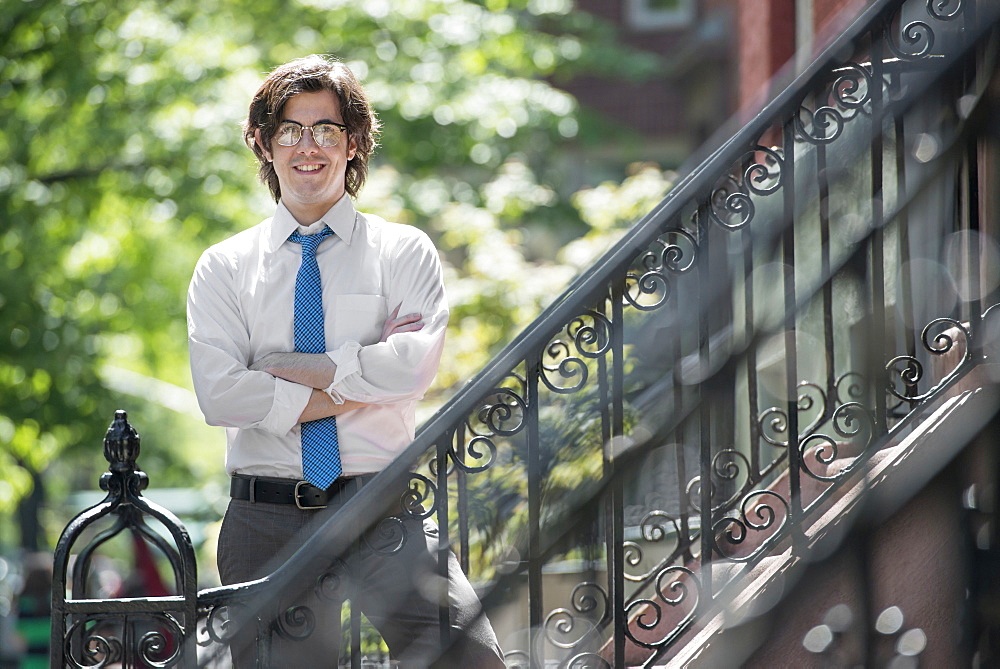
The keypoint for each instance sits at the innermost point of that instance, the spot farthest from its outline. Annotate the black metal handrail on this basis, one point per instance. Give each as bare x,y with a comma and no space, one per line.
686,366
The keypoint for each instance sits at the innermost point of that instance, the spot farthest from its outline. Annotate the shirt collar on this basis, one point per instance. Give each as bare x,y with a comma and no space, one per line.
340,218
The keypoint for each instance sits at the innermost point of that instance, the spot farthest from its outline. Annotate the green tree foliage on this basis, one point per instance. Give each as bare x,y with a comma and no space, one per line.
122,160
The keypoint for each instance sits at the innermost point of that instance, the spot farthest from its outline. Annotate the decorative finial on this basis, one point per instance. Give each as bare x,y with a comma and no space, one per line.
121,444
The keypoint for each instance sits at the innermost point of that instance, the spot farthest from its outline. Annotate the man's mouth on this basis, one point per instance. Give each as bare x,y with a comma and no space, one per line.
308,168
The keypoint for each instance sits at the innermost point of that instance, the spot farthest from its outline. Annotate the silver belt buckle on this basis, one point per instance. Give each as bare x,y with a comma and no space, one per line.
298,498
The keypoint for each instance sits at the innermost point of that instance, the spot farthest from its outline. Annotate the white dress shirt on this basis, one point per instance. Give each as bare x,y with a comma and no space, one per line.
240,308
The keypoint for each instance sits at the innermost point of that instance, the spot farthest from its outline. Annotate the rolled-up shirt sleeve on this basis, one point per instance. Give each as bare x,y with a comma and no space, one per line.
402,367
230,394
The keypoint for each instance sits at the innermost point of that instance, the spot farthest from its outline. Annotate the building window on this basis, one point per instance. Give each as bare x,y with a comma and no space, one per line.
659,14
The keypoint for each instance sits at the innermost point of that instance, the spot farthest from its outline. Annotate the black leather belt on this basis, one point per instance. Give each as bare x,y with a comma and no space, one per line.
285,491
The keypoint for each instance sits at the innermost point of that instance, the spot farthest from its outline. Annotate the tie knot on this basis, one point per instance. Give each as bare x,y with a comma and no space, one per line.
310,242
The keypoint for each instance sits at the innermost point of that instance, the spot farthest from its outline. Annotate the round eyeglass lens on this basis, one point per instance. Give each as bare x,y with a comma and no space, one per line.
288,134
326,134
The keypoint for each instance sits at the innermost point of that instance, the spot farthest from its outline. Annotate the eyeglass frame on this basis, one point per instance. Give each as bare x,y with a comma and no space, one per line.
303,128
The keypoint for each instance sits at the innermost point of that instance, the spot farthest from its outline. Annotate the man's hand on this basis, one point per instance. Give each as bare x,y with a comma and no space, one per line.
396,323
321,406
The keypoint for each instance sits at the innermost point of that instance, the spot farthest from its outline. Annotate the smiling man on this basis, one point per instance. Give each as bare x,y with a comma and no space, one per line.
298,348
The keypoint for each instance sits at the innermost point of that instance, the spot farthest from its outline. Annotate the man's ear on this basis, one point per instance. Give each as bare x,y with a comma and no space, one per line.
260,145
352,148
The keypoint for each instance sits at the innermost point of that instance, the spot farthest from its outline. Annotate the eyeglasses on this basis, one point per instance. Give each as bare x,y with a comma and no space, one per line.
325,133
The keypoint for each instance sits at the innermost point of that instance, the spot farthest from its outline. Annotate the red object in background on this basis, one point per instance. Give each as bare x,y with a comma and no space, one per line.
149,577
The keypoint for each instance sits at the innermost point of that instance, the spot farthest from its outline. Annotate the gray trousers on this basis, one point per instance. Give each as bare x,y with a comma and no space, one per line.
395,586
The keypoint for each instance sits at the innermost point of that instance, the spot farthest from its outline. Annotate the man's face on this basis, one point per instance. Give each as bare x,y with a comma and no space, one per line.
311,177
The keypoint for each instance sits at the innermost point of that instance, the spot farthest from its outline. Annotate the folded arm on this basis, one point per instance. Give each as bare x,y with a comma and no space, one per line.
229,394
280,390
401,366
317,370
398,367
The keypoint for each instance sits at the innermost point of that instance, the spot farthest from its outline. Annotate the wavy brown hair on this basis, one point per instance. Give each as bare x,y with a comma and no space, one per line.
309,75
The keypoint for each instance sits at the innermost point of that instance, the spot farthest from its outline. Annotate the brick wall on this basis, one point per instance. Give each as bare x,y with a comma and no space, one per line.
767,38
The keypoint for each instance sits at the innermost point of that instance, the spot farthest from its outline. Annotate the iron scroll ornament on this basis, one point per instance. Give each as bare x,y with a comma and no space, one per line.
656,526
731,204
727,465
911,372
773,422
560,625
755,515
502,412
847,95
647,287
852,421
919,36
98,647
676,587
588,336
939,9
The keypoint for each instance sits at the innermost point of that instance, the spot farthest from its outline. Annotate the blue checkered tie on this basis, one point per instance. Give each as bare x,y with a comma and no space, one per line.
320,449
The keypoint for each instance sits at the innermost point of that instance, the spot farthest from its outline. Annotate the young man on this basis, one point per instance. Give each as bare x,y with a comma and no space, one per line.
312,336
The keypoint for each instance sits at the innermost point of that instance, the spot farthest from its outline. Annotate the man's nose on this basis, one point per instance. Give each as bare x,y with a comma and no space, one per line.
307,142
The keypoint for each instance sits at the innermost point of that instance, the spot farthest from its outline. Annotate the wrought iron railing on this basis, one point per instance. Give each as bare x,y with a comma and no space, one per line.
692,401
87,631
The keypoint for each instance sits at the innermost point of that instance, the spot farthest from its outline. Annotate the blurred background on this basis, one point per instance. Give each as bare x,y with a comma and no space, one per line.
522,135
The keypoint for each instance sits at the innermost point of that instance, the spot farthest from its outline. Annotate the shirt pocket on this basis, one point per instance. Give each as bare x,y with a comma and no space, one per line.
358,318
